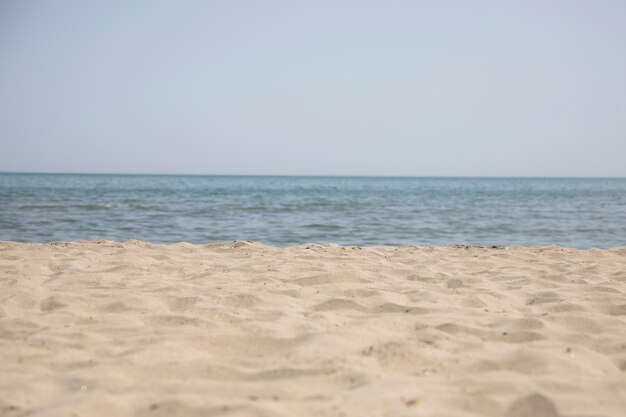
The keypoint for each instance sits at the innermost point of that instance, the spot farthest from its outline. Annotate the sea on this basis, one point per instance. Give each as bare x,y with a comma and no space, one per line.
285,211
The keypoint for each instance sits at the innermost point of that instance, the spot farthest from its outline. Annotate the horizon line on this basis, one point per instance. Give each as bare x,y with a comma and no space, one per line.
309,175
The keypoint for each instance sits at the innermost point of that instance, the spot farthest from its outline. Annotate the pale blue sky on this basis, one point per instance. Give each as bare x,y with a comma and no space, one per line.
477,88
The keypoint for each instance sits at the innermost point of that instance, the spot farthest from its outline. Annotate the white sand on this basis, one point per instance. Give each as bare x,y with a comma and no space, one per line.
135,329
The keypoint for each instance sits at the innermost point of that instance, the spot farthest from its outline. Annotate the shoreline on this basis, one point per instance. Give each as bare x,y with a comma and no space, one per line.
306,245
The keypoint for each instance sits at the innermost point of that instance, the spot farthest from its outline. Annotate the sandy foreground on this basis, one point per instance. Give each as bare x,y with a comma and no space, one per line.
135,329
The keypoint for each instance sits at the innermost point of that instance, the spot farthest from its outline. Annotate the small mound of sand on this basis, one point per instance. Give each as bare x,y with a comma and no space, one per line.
533,405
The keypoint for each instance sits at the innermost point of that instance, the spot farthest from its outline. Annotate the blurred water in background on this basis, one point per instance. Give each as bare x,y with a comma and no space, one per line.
292,210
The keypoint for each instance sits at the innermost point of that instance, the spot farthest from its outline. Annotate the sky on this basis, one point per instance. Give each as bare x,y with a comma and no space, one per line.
415,88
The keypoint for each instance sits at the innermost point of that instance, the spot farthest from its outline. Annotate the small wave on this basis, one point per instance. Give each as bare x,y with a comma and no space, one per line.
94,207
89,207
324,227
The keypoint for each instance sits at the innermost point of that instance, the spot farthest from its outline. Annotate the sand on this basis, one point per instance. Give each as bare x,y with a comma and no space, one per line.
135,329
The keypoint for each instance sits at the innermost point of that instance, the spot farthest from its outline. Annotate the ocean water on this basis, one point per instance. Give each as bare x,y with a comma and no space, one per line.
292,210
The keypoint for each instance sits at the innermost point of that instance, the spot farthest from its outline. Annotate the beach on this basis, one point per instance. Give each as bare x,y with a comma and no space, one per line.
100,328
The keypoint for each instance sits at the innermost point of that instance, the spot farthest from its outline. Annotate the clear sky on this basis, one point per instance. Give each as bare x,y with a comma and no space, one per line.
476,88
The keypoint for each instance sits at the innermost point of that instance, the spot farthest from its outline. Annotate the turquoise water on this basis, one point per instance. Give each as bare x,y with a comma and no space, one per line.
292,210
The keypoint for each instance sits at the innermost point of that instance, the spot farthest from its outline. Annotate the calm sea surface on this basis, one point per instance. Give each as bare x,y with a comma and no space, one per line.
292,210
